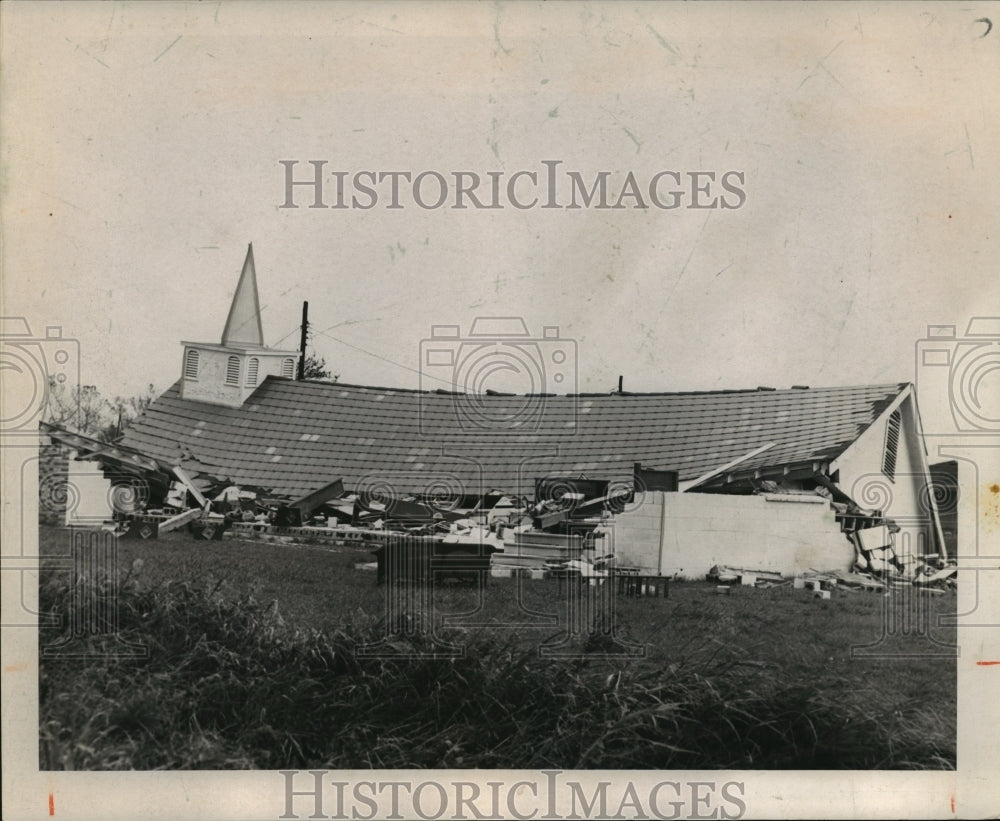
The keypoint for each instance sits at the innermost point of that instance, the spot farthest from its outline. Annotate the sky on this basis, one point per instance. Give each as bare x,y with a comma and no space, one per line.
142,147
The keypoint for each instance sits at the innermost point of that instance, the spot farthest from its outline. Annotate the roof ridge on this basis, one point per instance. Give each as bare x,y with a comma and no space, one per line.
885,386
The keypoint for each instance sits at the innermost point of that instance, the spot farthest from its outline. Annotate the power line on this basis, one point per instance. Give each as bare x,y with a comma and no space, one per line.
385,359
294,330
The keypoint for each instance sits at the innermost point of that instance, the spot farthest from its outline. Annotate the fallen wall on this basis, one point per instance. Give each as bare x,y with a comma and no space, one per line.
687,533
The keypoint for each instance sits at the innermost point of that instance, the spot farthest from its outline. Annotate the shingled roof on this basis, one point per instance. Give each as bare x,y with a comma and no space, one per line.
293,436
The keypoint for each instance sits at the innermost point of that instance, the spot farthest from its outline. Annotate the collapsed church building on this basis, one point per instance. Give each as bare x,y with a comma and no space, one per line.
759,483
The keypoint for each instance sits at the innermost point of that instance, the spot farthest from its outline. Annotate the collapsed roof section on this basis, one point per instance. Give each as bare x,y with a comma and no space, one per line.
293,436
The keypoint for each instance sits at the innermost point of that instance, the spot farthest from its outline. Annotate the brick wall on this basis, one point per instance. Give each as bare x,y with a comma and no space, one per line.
53,461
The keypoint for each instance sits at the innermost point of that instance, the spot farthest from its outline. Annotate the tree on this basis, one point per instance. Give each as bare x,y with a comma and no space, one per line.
132,406
82,409
315,368
79,408
128,408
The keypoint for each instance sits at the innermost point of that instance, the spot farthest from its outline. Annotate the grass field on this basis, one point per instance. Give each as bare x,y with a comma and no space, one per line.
261,655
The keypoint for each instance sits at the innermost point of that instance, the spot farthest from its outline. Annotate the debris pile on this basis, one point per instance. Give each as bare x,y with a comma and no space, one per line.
934,580
722,575
535,551
564,534
879,564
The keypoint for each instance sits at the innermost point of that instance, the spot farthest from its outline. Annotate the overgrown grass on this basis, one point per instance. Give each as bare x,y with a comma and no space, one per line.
267,670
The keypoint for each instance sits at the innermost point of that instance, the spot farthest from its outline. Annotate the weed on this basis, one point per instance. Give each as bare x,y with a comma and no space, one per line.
752,681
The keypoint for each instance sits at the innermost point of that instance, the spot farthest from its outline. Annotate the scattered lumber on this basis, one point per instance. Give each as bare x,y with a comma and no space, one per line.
179,520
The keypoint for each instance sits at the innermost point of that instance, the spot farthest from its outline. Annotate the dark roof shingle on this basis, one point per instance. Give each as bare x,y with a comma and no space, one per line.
292,436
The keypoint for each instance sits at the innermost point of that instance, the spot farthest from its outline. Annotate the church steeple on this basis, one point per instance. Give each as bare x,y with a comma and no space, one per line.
228,373
243,326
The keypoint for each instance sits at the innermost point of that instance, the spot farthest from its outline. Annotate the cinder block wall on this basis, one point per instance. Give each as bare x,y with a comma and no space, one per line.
786,534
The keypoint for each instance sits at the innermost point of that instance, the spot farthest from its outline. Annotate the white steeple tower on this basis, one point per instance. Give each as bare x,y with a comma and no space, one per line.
243,327
228,373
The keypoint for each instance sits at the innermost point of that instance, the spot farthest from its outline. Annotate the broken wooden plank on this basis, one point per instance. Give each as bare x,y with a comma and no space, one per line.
940,575
874,538
544,521
125,457
693,483
314,499
179,520
181,474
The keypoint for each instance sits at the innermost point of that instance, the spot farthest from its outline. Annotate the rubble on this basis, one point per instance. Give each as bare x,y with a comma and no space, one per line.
926,577
565,536
301,510
561,533
745,576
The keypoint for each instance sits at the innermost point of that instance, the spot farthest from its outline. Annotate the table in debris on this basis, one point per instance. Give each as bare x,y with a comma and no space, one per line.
634,584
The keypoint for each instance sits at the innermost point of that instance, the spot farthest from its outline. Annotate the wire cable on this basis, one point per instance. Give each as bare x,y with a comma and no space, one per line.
385,359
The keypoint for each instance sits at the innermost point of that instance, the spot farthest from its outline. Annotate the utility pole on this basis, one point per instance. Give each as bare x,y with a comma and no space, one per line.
302,343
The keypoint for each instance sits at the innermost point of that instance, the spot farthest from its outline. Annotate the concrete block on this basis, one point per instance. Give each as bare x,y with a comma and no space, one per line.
873,538
506,571
798,583
821,594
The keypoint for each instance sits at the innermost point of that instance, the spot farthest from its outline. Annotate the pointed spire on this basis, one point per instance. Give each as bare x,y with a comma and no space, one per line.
243,326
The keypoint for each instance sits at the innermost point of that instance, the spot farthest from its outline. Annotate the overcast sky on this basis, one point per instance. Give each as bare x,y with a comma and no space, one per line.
142,146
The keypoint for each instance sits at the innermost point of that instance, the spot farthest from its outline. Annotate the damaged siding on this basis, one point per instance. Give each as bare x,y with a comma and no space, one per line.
903,497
